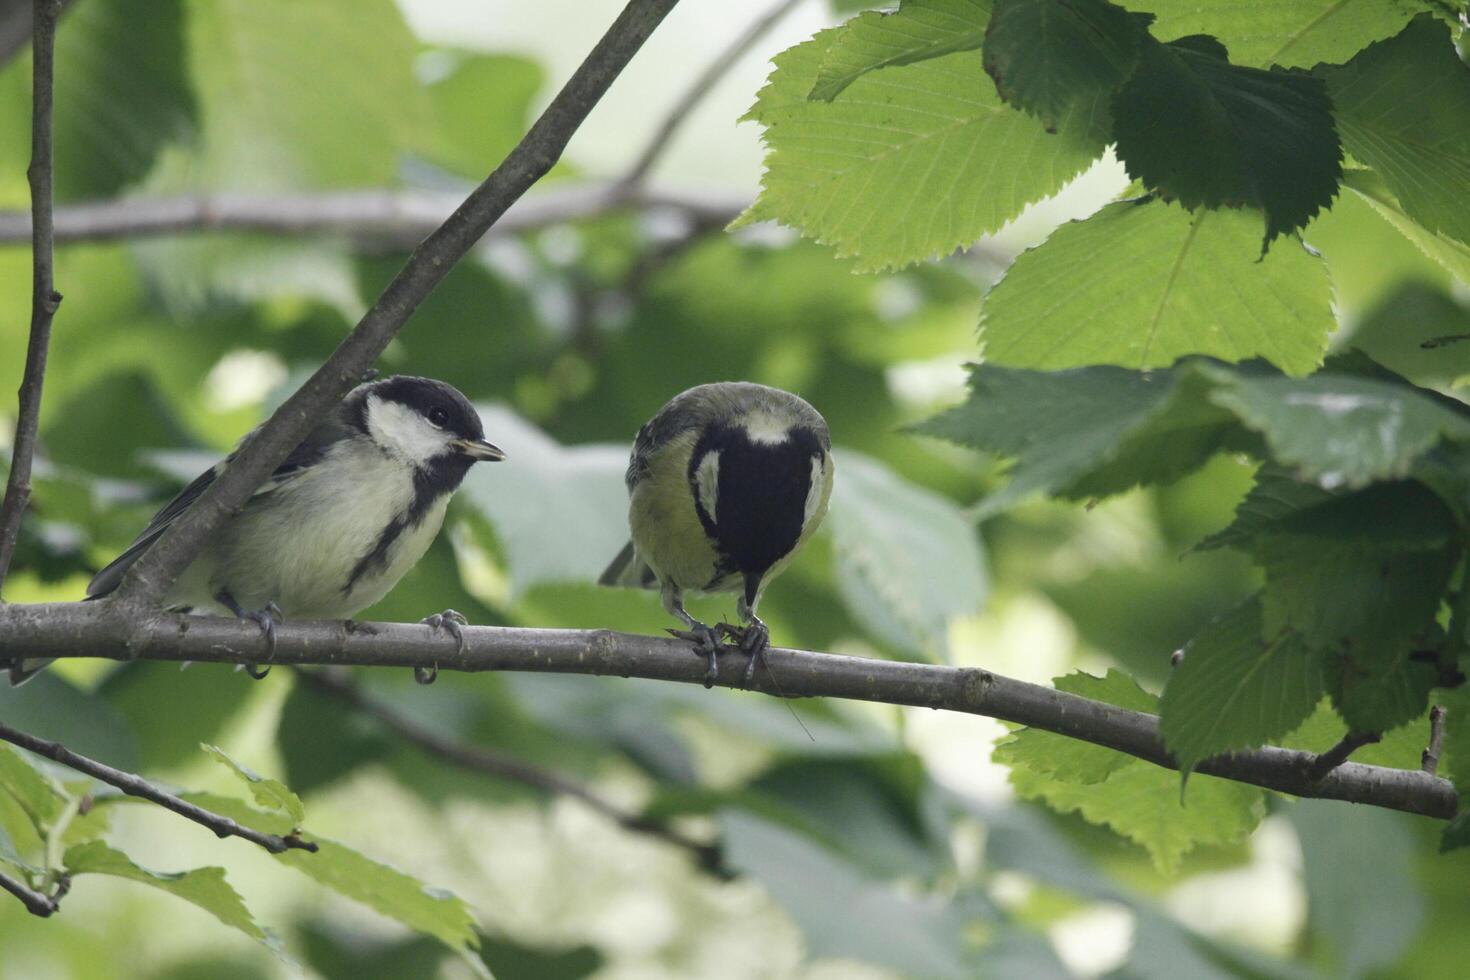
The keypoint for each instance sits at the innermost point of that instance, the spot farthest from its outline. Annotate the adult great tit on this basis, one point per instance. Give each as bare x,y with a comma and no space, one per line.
726,483
351,509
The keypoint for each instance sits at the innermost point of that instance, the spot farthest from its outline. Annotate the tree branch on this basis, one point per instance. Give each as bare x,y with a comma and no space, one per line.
34,901
1327,761
536,153
44,298
701,87
1429,758
383,218
100,629
497,765
141,788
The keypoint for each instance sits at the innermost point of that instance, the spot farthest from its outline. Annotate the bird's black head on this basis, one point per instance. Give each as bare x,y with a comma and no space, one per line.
424,422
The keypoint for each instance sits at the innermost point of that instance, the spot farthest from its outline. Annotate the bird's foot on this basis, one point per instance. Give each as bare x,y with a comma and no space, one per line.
266,619
753,641
449,621
707,643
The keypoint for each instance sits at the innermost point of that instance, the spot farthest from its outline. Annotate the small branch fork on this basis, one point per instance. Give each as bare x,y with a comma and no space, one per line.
1429,760
1327,761
137,786
44,297
34,901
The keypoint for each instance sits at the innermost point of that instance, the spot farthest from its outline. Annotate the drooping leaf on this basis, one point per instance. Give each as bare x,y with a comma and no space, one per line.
1407,334
204,887
1195,128
1072,760
269,793
1141,285
916,31
1238,687
1382,691
908,163
908,561
1451,254
1048,55
1275,495
37,796
1403,106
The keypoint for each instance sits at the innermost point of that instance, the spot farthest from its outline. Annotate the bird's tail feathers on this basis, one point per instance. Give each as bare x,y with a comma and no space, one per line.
628,571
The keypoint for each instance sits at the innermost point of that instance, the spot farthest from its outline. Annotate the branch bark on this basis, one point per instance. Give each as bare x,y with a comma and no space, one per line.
100,629
141,788
44,298
536,153
34,901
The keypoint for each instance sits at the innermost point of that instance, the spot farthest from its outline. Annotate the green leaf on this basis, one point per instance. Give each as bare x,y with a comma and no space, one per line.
1368,909
40,798
1403,107
269,793
202,700
1453,255
1375,696
496,91
916,31
1237,688
1143,284
1048,55
1073,760
1456,833
908,560
1195,128
1275,495
1405,333
204,887
432,911
908,163
1301,33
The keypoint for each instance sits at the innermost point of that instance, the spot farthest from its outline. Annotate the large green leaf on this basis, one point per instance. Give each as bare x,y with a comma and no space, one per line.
1048,55
39,797
1143,284
916,31
1196,128
1238,688
1069,759
1384,691
269,793
908,561
908,163
1403,106
1300,33
204,887
1274,496
202,698
1450,253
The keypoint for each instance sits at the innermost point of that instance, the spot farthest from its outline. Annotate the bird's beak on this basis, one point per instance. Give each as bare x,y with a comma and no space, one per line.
478,449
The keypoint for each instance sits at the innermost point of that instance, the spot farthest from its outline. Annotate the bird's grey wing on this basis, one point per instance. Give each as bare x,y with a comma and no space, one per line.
105,581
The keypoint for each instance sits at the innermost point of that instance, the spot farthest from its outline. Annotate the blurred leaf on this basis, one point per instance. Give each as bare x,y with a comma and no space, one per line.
480,107
507,958
940,162
1069,759
1452,255
1380,692
1141,284
338,954
321,740
1238,688
50,707
1047,55
83,431
840,911
1196,128
907,559
1368,909
1403,106
916,31
1395,333
201,700
1274,497
204,887
269,793
37,796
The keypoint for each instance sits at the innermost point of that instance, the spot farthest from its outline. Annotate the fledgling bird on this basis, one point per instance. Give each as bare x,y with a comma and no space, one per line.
726,483
351,509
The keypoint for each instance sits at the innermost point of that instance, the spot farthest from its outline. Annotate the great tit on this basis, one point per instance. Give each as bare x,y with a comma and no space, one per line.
351,509
727,482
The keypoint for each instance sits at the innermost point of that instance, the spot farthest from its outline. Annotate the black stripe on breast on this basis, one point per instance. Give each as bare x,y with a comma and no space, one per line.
440,478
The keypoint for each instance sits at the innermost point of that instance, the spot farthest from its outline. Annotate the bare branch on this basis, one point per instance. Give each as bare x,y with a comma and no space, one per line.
497,765
118,632
34,901
1337,755
536,153
1429,760
701,87
382,219
141,788
44,298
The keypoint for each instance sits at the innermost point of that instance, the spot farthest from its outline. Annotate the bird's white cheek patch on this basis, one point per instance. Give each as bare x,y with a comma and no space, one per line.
814,494
707,482
400,429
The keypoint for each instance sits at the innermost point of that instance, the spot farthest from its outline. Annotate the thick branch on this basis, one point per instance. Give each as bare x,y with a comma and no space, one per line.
1338,754
34,901
141,788
497,765
110,630
536,153
383,219
44,298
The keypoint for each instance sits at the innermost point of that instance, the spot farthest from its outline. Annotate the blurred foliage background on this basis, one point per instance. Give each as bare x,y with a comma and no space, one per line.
886,843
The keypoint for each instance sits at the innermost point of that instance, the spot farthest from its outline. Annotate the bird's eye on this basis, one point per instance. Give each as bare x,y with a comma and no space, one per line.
438,418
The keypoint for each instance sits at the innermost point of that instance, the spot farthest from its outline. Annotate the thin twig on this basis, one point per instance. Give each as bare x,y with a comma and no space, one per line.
44,297
1338,754
531,159
498,765
34,901
141,788
1429,760
701,86
121,632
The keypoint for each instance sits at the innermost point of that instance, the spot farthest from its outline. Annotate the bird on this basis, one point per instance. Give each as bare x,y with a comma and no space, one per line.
726,483
339,522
